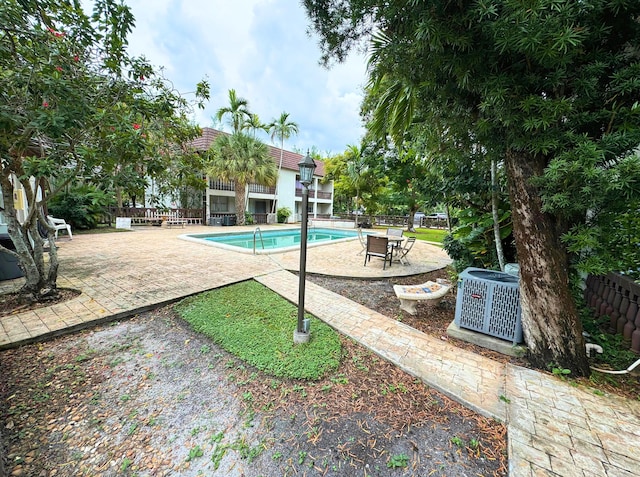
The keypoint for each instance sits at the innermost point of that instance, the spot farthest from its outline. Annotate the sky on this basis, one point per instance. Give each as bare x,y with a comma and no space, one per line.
261,49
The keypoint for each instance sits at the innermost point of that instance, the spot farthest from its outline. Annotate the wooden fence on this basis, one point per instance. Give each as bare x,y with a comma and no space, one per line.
396,220
153,215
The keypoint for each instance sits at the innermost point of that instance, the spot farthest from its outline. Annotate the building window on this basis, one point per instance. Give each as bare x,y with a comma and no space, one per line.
219,203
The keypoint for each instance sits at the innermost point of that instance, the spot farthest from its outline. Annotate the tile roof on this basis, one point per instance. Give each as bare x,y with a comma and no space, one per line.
289,159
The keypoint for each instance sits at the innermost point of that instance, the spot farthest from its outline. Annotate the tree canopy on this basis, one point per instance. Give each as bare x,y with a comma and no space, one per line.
76,108
548,87
282,128
237,113
243,160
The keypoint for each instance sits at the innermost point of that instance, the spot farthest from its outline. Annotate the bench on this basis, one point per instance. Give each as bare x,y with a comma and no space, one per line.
410,295
176,221
157,221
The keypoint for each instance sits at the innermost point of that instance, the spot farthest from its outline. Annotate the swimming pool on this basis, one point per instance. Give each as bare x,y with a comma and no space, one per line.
282,240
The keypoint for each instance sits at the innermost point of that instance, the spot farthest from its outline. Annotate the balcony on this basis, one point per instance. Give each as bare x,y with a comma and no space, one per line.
315,194
260,189
230,186
216,184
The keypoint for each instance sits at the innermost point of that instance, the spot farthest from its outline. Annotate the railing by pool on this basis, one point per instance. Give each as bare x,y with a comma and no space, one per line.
150,215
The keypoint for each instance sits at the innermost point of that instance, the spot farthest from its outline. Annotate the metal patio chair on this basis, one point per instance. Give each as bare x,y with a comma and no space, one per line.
404,251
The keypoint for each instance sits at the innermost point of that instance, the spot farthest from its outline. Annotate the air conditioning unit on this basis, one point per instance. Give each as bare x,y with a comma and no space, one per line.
229,220
489,302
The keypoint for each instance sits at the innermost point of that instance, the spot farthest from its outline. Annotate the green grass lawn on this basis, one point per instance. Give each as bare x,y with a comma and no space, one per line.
428,235
257,325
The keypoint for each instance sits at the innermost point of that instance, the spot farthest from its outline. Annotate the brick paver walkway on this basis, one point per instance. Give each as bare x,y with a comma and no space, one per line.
554,429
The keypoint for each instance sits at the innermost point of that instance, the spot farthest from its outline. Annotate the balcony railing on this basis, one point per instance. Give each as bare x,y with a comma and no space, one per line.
313,194
227,185
216,184
261,189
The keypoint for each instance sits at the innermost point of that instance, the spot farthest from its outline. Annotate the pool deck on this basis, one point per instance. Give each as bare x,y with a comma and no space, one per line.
124,273
340,258
554,429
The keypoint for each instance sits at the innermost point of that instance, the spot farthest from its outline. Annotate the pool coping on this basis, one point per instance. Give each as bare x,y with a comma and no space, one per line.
273,251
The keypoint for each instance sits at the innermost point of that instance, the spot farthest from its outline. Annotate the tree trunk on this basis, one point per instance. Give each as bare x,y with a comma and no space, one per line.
448,211
550,322
241,201
412,215
119,196
3,473
494,213
357,209
40,275
275,198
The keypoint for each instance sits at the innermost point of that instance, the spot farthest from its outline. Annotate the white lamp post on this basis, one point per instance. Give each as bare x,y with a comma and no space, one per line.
306,167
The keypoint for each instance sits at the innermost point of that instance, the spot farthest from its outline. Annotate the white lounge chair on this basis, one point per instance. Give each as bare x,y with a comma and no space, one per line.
60,224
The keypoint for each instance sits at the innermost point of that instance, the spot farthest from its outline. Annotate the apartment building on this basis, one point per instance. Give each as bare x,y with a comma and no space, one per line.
220,195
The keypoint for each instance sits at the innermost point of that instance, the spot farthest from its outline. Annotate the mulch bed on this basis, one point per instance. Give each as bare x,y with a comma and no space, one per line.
11,303
355,415
365,387
60,400
433,320
378,295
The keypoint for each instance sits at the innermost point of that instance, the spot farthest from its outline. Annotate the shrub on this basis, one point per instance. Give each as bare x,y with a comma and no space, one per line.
82,207
283,214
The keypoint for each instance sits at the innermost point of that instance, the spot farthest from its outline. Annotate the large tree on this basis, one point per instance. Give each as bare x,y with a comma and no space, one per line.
552,83
243,160
74,106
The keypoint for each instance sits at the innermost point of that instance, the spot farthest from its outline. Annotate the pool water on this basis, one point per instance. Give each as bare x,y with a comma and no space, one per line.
274,240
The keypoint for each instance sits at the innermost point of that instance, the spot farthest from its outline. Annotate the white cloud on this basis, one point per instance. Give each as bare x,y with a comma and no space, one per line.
259,48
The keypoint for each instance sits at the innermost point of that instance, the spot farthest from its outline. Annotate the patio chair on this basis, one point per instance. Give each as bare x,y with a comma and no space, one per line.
60,224
404,251
363,242
395,232
378,247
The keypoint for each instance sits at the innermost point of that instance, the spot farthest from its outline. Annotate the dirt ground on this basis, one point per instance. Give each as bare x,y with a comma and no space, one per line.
149,397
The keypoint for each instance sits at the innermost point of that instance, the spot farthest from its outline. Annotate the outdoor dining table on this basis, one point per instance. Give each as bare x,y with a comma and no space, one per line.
395,241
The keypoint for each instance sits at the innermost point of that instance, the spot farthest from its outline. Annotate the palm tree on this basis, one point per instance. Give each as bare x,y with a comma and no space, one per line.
253,122
356,171
283,129
243,160
237,112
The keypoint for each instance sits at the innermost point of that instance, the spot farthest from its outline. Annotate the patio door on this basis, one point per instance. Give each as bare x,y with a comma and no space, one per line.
261,207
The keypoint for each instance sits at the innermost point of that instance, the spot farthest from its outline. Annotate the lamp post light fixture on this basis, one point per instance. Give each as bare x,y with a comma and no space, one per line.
306,167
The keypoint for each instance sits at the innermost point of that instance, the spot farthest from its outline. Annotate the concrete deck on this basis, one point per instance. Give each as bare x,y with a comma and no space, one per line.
554,429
